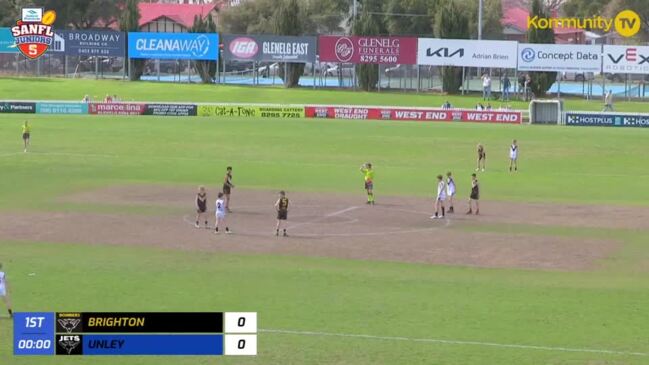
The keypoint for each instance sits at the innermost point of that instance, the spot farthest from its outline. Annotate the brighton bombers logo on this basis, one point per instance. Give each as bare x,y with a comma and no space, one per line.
33,32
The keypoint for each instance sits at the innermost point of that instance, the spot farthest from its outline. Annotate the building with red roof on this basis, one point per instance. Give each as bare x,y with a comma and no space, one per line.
175,18
514,22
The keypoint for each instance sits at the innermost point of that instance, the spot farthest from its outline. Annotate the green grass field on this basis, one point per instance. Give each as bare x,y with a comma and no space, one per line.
411,314
65,89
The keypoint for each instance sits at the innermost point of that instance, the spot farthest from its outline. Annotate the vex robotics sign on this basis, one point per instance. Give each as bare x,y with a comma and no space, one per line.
33,32
626,59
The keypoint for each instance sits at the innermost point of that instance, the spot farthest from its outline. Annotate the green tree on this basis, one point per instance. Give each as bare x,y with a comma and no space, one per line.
641,7
256,17
8,13
287,21
324,16
541,81
585,8
83,14
367,24
251,17
129,22
410,17
453,23
206,69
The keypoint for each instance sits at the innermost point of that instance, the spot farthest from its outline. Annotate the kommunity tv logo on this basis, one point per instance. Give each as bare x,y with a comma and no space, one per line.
626,23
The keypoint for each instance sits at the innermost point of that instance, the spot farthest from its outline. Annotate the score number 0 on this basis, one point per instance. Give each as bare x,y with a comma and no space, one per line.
240,333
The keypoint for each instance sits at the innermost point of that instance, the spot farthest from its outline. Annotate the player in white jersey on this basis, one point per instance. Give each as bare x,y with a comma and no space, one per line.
220,214
441,196
450,191
4,291
513,156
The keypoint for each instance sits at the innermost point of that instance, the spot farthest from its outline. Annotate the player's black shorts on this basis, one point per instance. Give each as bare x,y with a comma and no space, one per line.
475,196
25,135
282,215
226,189
369,185
201,207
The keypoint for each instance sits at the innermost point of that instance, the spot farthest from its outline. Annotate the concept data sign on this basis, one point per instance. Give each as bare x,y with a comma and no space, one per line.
559,57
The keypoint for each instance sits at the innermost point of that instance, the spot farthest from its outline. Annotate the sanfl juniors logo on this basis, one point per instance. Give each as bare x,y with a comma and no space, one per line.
33,33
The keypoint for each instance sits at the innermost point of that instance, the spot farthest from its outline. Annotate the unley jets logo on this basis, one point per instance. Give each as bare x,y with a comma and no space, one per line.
33,33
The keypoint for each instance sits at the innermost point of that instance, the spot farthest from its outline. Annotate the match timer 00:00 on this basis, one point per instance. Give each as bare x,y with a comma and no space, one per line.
111,334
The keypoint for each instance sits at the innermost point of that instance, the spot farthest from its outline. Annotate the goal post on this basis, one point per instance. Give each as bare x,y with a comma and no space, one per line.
546,111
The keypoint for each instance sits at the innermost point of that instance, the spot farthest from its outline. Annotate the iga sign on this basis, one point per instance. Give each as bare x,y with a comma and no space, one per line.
626,59
269,48
559,57
374,50
116,108
607,119
411,114
466,53
93,43
178,46
33,33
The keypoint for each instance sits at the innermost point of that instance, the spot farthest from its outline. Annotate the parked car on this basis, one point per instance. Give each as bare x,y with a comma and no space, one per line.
344,70
622,77
106,64
267,70
577,76
239,66
166,67
395,71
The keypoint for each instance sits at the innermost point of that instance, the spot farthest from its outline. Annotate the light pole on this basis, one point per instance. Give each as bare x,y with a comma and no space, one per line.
480,6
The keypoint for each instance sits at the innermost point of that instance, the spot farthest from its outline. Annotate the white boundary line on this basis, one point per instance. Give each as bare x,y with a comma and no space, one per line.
455,342
447,223
317,220
161,158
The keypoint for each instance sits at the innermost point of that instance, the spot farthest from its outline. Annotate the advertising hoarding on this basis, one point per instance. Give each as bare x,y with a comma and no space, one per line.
269,48
177,46
367,49
559,57
626,59
466,53
93,43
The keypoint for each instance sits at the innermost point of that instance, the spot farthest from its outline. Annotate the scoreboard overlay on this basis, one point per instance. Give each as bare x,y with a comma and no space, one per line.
135,333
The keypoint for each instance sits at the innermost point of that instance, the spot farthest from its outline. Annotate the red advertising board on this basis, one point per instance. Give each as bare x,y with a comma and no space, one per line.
411,114
375,50
117,108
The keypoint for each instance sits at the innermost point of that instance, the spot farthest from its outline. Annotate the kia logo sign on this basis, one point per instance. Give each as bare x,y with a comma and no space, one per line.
244,47
344,49
528,54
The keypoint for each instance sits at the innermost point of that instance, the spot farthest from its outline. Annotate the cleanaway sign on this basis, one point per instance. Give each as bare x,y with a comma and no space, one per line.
178,46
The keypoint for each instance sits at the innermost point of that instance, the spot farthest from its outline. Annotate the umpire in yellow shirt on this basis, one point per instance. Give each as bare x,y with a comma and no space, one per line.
368,174
27,130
